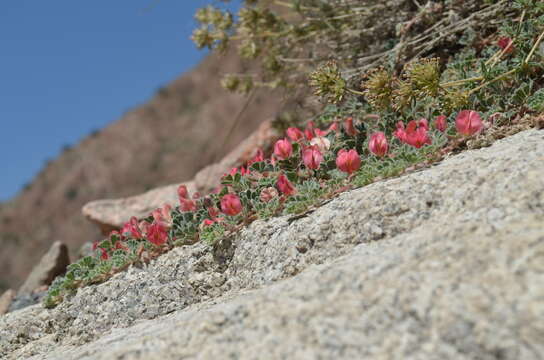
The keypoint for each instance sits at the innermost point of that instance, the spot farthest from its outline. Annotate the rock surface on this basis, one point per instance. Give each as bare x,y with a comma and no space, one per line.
457,273
52,264
111,214
5,300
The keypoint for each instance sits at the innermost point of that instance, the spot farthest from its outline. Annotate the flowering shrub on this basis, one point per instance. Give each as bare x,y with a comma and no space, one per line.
377,136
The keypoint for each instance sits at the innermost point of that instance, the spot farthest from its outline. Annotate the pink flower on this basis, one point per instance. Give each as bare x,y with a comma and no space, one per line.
312,157
333,127
440,123
321,133
207,222
157,234
378,144
268,194
416,133
348,161
231,205
423,123
506,44
182,192
259,156
163,215
187,205
132,228
283,149
468,122
349,128
400,133
309,131
285,185
295,134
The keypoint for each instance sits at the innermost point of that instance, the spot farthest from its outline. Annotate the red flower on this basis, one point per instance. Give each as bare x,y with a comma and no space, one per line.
182,192
506,44
309,131
132,228
378,144
285,186
348,161
259,156
321,133
231,205
415,133
163,215
312,157
349,128
157,234
295,134
187,205
468,122
333,127
400,133
440,123
207,222
104,255
283,149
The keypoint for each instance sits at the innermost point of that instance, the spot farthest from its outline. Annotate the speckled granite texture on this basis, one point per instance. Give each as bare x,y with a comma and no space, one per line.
445,263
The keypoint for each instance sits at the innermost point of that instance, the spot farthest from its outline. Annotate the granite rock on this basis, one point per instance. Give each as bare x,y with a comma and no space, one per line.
444,263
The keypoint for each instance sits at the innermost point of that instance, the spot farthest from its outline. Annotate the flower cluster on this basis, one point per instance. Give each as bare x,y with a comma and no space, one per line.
302,156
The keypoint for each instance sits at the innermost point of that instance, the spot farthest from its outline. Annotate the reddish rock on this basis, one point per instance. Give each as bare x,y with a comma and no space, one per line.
5,300
209,177
111,214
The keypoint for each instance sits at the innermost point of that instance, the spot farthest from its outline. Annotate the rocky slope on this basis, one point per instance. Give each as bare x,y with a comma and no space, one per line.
444,263
164,141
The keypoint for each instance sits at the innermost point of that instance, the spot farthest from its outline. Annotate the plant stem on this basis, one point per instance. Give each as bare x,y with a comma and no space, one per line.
531,53
355,92
493,80
461,82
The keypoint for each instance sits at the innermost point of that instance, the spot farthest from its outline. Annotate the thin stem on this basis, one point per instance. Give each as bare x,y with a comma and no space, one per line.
461,82
355,91
500,77
531,53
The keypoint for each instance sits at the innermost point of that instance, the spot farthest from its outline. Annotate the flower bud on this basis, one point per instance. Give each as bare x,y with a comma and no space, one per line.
268,194
378,144
283,149
295,134
440,123
349,128
285,186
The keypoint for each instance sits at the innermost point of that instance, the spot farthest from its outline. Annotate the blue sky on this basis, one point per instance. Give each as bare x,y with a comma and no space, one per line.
69,67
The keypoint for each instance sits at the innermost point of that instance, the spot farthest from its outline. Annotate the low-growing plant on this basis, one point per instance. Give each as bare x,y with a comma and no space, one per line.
397,122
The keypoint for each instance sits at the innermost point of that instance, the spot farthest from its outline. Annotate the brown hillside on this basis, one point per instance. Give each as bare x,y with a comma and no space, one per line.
178,132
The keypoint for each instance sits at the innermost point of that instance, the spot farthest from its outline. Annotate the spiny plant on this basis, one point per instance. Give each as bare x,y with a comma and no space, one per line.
397,122
288,39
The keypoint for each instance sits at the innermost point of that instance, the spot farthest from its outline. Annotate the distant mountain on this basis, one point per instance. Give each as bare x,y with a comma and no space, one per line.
179,131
